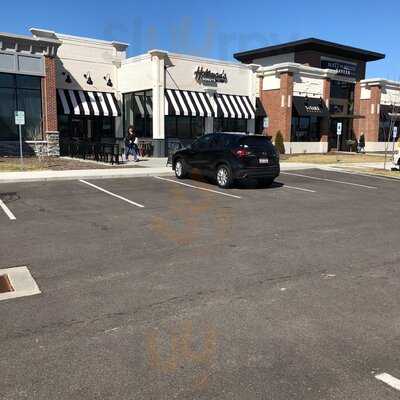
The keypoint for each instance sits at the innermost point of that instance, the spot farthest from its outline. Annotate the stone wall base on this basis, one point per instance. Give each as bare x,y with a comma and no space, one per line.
53,144
39,148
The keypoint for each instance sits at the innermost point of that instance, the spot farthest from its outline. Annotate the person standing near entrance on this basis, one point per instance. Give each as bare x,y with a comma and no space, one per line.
131,144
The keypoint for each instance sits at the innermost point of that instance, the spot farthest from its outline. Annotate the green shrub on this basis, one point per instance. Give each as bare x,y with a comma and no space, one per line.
279,143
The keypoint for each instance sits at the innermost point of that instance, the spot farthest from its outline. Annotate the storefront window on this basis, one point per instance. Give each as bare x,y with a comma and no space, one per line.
342,90
138,111
386,130
23,93
306,129
8,130
230,125
84,128
183,127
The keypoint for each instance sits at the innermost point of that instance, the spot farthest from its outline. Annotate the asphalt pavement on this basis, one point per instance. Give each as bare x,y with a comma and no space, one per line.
157,289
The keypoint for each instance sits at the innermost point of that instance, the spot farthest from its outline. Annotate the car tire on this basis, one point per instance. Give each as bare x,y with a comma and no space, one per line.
265,182
180,169
224,176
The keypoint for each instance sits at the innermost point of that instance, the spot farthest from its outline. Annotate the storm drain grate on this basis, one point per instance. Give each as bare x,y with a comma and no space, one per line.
5,284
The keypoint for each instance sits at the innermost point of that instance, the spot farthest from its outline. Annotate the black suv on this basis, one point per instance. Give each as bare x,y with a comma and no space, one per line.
226,157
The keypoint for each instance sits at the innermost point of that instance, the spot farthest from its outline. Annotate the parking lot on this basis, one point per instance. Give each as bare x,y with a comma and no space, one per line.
157,289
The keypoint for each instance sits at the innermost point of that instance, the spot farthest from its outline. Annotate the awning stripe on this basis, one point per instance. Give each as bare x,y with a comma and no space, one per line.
190,103
175,109
239,113
79,102
200,104
228,106
250,106
242,107
83,101
206,105
213,103
93,102
111,102
75,108
64,102
89,103
197,101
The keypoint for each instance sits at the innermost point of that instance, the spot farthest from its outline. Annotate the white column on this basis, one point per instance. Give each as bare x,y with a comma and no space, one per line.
158,71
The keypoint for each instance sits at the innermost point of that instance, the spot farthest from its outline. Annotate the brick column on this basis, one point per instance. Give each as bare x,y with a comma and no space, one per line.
373,118
278,105
285,112
50,123
325,122
357,123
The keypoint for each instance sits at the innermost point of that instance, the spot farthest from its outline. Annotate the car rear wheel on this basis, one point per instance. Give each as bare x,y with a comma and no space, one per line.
180,169
224,176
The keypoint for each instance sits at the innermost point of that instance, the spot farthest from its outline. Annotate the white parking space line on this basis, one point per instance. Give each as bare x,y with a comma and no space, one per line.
7,211
329,180
389,380
340,171
298,188
198,187
112,194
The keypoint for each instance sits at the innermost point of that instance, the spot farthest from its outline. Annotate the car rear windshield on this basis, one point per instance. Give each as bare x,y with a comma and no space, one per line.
256,141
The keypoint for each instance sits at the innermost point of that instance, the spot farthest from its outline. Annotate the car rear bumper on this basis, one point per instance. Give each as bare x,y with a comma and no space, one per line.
271,171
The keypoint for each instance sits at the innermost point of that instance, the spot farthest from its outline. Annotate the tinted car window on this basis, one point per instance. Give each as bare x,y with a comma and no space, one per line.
227,141
202,143
256,141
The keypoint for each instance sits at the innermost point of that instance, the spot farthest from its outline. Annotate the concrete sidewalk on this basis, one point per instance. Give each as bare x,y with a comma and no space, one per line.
149,167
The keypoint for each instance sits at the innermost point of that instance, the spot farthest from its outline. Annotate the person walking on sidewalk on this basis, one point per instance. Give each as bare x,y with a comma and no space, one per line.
131,144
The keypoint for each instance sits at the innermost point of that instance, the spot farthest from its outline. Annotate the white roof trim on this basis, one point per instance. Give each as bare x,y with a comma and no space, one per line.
380,82
299,68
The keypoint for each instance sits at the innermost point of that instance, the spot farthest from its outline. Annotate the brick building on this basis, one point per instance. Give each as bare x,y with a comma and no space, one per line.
309,86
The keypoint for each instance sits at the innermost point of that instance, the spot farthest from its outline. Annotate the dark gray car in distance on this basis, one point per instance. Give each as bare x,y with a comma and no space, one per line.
228,157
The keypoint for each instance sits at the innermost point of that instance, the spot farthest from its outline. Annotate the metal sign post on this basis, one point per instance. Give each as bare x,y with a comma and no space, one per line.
20,120
338,133
394,139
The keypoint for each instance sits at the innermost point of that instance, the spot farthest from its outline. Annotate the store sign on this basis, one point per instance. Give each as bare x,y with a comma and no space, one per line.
342,68
206,76
313,109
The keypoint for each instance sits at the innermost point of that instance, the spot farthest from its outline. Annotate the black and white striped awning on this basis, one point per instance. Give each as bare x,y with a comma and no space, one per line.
187,103
79,102
232,106
199,104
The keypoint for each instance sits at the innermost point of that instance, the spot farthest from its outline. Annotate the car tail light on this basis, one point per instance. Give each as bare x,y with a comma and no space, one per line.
240,153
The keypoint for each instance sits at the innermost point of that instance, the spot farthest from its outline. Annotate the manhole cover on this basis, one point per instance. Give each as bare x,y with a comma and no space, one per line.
5,284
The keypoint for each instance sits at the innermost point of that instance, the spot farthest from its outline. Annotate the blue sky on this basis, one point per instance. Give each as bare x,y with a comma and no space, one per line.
217,29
